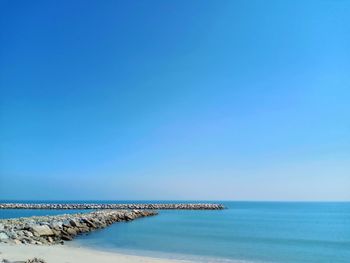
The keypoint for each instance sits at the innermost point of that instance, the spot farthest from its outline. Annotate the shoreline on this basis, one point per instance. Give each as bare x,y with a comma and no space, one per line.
167,256
74,254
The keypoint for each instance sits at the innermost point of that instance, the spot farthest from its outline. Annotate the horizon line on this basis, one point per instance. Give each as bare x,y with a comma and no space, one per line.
174,200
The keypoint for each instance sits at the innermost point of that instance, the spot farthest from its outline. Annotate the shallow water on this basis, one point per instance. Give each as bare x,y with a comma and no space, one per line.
246,231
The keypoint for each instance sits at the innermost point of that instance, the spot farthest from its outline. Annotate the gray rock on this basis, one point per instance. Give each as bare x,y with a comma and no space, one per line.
27,233
56,225
3,236
66,237
74,223
35,260
71,231
42,230
17,242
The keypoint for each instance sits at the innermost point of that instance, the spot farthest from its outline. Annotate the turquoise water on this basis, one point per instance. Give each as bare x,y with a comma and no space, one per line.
245,231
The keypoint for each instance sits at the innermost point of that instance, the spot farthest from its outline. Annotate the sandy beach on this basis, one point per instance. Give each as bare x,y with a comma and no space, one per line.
71,254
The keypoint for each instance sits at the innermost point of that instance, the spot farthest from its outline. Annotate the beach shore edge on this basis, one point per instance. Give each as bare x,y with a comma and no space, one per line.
73,254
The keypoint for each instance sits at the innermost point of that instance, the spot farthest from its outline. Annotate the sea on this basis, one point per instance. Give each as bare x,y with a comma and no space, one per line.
280,232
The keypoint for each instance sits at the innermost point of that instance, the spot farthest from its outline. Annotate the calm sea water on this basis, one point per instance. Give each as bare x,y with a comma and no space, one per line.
245,231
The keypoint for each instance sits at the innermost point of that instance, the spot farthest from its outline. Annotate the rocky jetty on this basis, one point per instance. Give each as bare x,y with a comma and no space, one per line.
33,260
41,230
113,206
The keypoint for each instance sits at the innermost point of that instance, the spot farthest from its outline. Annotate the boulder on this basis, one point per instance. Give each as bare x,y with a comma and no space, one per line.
56,232
27,233
42,230
129,216
66,223
71,231
66,237
84,229
89,223
3,236
56,225
74,223
35,260
17,242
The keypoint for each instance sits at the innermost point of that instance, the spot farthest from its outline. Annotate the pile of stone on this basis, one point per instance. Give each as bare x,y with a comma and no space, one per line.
57,229
113,206
33,260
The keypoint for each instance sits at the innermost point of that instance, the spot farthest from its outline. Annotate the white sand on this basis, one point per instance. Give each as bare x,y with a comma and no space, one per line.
70,254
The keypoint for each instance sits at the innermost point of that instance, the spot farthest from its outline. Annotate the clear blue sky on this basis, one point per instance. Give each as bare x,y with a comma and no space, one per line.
242,100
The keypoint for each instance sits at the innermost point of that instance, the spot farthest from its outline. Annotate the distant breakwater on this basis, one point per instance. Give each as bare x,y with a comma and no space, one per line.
203,206
41,230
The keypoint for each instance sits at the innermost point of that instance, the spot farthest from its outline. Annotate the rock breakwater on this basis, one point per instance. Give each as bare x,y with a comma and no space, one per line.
41,230
203,206
33,260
